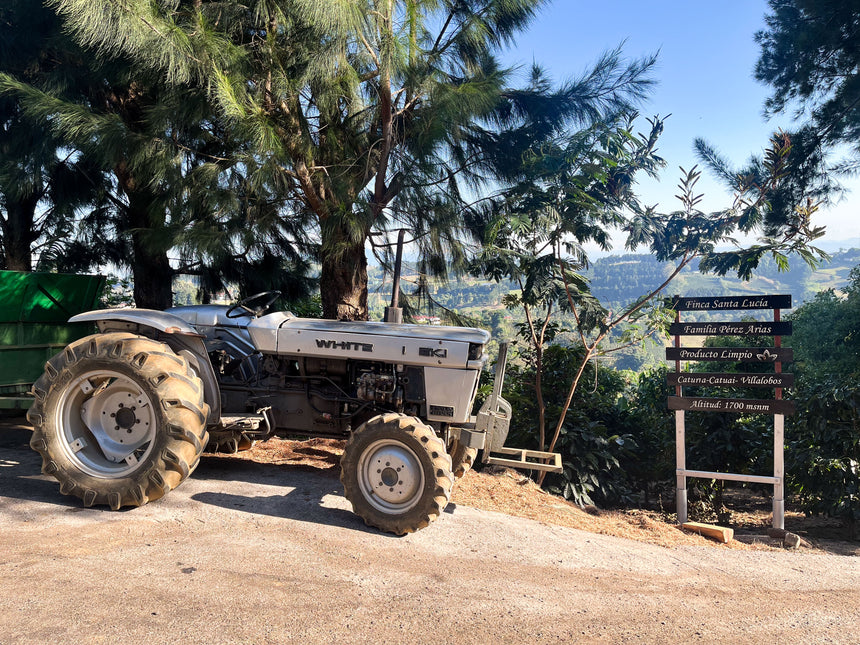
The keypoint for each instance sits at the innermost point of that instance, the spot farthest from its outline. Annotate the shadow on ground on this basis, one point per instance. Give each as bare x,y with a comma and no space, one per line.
309,494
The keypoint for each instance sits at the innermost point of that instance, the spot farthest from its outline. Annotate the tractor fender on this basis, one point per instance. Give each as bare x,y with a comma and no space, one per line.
167,328
128,319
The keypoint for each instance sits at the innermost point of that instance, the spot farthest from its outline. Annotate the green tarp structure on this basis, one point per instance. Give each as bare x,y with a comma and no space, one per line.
34,308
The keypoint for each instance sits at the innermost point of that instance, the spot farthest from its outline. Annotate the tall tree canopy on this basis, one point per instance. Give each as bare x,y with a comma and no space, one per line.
810,55
114,119
361,115
104,162
42,183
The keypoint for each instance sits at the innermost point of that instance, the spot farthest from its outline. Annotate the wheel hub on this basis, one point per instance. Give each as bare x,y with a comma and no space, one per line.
108,422
125,418
391,476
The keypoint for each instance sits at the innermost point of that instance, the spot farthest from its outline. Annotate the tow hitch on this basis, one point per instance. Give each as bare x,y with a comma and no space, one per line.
494,421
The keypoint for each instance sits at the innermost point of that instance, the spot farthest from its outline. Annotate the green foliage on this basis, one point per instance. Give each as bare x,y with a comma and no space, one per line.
651,467
809,56
360,117
781,232
185,293
827,331
823,458
591,445
310,307
118,292
158,168
42,184
593,473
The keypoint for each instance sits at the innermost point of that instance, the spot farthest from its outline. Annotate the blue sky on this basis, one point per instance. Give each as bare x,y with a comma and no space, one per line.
704,80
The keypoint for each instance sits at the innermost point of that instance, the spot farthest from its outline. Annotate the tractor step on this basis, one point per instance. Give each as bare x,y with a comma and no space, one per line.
244,422
527,459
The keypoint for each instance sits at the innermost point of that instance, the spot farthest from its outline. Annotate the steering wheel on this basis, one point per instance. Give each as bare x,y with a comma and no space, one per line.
243,307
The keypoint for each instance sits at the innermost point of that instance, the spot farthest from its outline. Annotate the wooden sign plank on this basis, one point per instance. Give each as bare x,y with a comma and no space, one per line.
705,379
734,354
730,329
756,406
726,303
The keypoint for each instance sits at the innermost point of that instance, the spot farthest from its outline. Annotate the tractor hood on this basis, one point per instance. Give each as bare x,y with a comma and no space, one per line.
282,333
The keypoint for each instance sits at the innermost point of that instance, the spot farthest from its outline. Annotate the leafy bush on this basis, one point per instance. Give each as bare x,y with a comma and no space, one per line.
823,465
651,466
823,453
592,456
593,442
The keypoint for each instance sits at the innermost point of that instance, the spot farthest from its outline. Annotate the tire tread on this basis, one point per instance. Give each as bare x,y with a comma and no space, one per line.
184,429
416,434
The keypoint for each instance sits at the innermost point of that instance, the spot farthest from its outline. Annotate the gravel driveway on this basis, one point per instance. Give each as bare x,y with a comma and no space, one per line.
255,553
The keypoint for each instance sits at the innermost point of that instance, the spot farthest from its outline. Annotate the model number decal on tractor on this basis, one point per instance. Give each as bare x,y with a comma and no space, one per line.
433,352
345,345
442,410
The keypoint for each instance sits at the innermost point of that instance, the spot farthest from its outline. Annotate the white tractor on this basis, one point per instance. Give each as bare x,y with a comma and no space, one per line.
121,417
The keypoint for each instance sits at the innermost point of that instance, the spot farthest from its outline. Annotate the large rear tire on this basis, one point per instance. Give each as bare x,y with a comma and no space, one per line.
462,458
396,473
118,419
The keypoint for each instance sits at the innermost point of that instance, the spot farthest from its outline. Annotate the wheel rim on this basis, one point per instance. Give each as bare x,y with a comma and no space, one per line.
390,476
107,423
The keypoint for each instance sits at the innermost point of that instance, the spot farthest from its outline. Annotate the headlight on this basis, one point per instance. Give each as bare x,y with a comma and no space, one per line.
476,351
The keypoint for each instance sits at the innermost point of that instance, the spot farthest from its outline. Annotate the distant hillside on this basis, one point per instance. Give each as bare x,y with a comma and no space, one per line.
623,278
620,279
835,246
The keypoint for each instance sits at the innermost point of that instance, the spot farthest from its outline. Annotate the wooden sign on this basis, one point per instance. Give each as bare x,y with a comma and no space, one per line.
730,329
744,406
770,377
724,303
734,354
706,379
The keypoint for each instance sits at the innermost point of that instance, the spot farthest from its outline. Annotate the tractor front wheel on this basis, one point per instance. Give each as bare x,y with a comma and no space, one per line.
396,473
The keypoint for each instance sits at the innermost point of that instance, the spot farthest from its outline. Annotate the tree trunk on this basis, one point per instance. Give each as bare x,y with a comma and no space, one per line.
19,233
150,267
344,284
152,275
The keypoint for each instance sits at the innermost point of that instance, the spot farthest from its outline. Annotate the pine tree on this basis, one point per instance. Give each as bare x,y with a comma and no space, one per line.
41,183
363,116
164,198
810,57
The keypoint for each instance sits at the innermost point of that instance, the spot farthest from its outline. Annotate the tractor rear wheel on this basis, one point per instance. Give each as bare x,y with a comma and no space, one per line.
396,473
462,458
118,419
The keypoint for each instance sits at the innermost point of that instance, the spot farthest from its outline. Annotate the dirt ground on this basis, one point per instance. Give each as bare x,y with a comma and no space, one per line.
510,492
262,548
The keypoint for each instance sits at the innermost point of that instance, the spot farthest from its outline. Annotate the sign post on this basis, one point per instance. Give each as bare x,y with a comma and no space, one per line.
775,380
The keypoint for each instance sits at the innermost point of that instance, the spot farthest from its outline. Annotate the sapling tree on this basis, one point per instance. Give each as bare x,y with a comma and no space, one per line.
572,194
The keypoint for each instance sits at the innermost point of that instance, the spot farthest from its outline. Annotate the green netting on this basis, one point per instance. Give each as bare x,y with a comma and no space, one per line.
34,308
